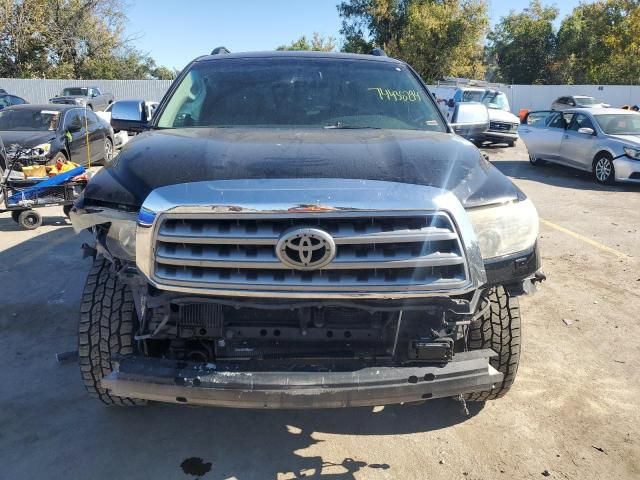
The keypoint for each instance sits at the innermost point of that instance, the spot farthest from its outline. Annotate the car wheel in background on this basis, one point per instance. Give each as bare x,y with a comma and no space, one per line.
536,161
511,143
108,150
29,219
603,169
67,209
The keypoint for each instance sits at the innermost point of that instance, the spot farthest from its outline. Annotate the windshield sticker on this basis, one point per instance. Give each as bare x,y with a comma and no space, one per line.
396,95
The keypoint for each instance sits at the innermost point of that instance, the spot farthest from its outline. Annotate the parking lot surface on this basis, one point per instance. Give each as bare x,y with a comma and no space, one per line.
572,414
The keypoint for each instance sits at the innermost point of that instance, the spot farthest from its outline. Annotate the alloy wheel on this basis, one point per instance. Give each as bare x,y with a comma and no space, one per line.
603,169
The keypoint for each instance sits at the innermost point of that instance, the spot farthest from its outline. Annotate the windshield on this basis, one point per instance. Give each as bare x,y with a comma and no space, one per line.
619,124
28,120
585,100
297,92
472,95
75,91
496,100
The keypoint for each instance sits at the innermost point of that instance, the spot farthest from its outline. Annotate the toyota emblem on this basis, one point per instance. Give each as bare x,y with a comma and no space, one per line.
306,248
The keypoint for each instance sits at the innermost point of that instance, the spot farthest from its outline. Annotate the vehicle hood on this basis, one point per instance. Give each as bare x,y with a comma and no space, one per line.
632,139
496,115
26,139
69,97
166,157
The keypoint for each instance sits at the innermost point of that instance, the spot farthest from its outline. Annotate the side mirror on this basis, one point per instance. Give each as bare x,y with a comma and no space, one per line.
129,115
451,103
94,94
586,131
74,127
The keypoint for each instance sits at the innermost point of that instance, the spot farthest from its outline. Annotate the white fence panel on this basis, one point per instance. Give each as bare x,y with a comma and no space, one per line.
40,91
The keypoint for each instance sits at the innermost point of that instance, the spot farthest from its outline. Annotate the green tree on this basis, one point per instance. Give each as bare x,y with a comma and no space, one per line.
437,37
69,39
317,43
600,43
522,45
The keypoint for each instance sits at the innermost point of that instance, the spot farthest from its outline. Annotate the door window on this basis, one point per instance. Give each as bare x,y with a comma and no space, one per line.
580,121
558,120
538,119
73,119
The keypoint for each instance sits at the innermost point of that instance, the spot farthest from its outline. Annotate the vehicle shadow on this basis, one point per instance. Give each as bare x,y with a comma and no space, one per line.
558,176
280,442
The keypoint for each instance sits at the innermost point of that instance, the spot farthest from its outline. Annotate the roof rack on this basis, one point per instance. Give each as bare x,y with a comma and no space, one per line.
378,52
220,51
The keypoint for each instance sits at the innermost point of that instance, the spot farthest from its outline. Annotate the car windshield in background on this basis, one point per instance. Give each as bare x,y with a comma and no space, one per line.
74,91
619,124
298,92
472,95
496,100
583,101
29,120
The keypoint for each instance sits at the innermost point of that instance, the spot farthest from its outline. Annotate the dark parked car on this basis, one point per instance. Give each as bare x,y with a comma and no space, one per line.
7,100
301,230
56,132
90,97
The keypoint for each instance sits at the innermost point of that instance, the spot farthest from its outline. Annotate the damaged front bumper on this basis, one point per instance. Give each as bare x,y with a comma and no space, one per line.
217,385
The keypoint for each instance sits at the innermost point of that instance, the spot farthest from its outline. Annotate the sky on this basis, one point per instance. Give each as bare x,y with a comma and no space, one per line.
175,36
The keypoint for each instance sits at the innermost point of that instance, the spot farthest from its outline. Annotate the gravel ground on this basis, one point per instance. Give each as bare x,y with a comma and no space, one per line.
572,414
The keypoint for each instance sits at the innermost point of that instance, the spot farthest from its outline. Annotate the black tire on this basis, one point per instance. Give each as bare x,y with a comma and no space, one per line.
603,169
67,209
29,219
499,330
536,162
106,327
511,143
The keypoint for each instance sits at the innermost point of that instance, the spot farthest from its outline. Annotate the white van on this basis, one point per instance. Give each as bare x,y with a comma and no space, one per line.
503,125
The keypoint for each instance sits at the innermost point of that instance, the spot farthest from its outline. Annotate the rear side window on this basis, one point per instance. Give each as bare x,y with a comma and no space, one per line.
16,100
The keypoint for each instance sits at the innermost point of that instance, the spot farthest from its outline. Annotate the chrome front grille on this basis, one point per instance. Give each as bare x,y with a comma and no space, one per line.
376,252
503,126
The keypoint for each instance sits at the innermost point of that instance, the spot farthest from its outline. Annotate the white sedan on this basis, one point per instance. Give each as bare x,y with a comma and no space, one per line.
605,142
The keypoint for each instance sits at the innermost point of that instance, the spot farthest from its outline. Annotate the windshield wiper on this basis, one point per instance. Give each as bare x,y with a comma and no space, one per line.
339,125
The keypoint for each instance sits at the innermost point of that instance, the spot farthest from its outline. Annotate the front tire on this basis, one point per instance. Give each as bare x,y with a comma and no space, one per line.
106,328
498,328
536,162
603,170
108,150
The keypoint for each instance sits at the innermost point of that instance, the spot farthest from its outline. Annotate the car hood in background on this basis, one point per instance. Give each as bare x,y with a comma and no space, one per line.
166,157
632,139
26,139
496,115
69,97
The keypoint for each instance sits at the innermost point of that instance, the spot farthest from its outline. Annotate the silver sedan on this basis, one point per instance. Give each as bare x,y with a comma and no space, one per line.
603,141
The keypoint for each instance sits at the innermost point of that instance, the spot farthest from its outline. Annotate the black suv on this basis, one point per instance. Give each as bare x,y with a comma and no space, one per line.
298,230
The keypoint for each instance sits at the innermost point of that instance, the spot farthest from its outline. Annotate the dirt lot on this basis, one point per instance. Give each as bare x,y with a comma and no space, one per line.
573,411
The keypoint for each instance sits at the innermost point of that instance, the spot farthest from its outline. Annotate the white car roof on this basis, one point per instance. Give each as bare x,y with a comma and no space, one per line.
601,111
